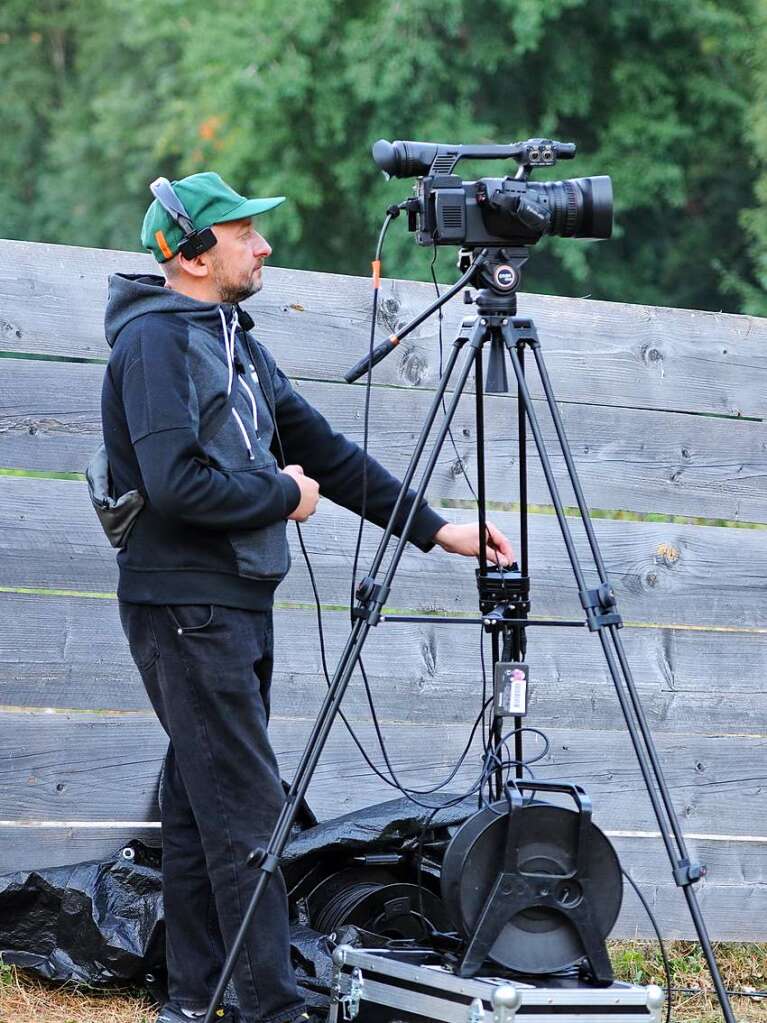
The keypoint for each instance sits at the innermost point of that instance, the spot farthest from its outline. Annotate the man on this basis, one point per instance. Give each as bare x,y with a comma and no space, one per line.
199,418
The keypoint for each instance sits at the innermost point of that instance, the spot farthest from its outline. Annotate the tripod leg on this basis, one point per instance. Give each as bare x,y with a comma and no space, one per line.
612,629
268,861
684,872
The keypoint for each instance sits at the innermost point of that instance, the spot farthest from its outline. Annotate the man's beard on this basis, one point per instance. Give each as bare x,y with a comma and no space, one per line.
232,292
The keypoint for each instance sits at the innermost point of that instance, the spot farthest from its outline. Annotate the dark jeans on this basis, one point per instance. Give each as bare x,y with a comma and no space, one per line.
207,670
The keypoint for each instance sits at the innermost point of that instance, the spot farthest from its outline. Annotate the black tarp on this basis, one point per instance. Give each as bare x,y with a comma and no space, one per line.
101,923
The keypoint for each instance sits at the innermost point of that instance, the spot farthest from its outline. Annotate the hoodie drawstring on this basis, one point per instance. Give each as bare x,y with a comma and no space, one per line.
230,337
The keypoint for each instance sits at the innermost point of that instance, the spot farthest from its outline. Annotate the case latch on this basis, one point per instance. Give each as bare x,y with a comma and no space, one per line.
350,994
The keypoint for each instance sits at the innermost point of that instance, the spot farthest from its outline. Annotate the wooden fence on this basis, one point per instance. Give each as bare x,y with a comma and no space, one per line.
665,411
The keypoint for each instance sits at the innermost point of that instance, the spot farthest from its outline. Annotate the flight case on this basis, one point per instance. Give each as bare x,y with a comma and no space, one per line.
412,986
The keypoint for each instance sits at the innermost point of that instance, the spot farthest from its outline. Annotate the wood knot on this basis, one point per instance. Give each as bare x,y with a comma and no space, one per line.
666,554
388,313
10,330
429,655
651,354
412,367
457,467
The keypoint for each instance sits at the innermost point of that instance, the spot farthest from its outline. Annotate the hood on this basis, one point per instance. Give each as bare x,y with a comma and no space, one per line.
134,295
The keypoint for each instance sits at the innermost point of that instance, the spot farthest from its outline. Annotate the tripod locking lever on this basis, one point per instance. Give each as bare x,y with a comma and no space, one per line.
263,860
371,596
686,873
597,605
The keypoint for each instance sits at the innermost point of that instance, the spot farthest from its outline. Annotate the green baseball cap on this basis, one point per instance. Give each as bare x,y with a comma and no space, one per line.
208,200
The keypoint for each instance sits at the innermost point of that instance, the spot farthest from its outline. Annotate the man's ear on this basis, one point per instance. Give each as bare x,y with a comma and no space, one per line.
196,267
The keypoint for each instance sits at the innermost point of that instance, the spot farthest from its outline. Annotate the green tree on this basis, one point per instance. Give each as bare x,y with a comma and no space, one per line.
288,100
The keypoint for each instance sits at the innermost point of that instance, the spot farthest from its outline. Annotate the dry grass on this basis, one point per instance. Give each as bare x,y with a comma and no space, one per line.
24,999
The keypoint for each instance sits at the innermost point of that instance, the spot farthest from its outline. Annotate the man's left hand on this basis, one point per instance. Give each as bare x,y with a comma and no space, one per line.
464,539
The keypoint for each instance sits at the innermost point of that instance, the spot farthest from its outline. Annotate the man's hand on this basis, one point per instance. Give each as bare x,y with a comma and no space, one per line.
464,540
310,493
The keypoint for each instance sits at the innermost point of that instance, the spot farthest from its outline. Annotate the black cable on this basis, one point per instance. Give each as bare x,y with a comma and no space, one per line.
654,922
461,463
411,793
366,418
490,764
440,318
395,782
756,995
486,732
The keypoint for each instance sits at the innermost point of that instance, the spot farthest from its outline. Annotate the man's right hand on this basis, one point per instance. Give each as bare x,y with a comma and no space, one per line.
310,493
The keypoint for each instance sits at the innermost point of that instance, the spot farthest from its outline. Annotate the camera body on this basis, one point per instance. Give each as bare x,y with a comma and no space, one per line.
492,212
510,211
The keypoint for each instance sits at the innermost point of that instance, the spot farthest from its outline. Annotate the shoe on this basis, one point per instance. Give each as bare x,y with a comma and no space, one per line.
171,1014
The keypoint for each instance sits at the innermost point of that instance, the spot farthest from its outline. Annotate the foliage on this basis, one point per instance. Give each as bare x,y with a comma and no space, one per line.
102,96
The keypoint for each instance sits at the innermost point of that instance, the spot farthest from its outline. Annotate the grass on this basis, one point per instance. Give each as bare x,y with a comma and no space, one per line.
24,999
743,967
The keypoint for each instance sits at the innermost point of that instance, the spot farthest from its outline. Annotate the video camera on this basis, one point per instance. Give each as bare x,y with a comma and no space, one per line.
447,210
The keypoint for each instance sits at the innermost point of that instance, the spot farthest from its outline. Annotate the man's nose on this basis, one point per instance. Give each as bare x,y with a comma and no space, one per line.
261,247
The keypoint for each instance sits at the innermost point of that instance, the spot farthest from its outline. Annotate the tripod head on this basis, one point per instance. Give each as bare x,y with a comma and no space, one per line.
497,277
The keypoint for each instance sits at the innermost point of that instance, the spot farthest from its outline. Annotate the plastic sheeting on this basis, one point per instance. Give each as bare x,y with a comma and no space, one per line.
102,922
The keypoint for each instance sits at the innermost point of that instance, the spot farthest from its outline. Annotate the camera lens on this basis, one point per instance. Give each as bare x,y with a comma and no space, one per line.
579,207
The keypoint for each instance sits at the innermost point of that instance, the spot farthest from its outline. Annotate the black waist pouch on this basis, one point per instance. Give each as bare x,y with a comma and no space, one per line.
116,514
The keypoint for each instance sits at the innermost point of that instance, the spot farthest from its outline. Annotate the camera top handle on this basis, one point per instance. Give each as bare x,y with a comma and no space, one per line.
420,159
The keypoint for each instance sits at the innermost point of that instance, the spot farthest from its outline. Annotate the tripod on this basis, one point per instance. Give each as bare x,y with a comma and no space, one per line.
503,596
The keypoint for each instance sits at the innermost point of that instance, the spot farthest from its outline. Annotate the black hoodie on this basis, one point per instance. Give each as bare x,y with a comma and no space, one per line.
188,407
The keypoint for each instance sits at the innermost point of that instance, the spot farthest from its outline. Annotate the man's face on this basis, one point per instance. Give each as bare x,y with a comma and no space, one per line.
235,261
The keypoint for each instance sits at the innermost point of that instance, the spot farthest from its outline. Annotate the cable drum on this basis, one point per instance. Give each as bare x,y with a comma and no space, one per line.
540,938
375,901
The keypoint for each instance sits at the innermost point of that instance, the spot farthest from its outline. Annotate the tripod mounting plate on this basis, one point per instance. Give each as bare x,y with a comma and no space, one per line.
499,587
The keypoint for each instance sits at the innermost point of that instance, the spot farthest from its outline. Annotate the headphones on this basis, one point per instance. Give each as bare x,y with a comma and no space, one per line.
194,242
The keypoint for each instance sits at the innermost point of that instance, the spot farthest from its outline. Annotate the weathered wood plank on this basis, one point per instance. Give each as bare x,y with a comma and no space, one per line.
734,910
101,768
732,913
70,653
32,848
664,573
732,862
645,461
317,324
